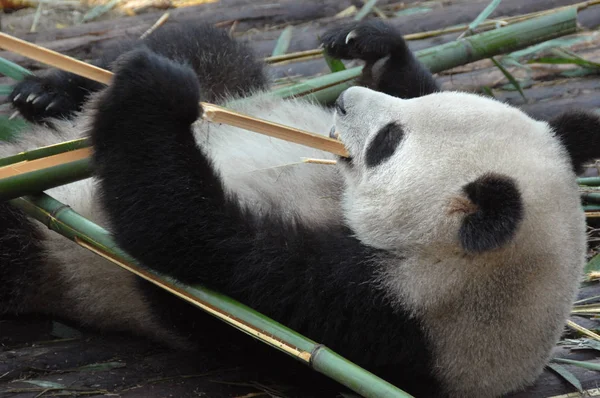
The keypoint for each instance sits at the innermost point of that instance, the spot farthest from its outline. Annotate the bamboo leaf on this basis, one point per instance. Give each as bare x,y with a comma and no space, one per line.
283,42
566,57
587,344
335,65
9,129
581,364
412,11
487,11
99,10
5,89
365,10
585,300
510,77
593,265
565,374
63,331
488,91
12,70
99,367
45,384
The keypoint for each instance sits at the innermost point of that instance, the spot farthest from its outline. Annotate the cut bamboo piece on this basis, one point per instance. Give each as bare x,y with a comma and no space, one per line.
217,114
211,112
28,166
53,58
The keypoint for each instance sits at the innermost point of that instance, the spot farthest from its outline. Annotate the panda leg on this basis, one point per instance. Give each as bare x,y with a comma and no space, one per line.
390,67
224,67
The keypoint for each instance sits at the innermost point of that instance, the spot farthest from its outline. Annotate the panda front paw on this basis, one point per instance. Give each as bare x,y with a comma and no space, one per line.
38,98
153,88
367,41
150,103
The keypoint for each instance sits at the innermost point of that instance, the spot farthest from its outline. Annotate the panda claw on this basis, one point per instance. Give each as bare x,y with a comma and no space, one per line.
30,98
14,115
17,97
35,101
50,105
352,35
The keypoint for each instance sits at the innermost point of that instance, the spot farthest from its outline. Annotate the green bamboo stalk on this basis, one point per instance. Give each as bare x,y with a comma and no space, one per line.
591,207
45,151
591,197
70,224
43,179
450,55
590,181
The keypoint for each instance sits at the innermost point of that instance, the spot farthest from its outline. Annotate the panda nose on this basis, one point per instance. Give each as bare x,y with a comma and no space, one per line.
339,104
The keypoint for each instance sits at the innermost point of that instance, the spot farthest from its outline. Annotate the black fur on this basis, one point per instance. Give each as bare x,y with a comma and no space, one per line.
579,132
22,259
499,213
224,67
168,209
402,75
383,146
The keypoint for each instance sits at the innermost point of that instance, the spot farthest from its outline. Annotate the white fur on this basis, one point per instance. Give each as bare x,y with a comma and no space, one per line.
493,318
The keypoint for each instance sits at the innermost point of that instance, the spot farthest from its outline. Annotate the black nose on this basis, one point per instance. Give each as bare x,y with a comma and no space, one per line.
339,104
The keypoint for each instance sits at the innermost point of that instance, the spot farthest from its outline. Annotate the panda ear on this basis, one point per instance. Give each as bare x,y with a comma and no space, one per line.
579,132
494,213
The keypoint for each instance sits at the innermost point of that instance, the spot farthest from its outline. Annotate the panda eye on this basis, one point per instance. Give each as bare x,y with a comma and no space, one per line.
384,144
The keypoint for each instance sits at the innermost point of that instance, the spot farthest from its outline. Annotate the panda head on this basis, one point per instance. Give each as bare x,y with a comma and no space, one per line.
456,171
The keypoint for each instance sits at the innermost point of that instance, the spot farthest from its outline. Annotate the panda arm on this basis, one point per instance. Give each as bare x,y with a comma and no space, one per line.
390,66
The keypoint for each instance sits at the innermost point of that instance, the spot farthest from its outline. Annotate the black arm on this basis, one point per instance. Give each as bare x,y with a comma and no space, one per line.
390,66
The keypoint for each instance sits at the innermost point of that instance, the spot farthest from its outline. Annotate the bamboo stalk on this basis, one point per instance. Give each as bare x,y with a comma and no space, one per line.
591,197
591,181
30,166
583,330
218,114
45,151
70,224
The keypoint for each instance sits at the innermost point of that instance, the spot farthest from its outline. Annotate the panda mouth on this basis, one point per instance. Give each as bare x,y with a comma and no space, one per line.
333,134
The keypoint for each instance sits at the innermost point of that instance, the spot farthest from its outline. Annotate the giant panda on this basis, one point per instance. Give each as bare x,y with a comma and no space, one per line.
431,256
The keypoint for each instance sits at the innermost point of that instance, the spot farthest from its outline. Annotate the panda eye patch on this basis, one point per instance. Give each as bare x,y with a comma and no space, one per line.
384,144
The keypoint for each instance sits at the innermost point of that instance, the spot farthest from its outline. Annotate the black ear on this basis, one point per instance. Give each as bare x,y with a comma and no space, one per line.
579,132
497,213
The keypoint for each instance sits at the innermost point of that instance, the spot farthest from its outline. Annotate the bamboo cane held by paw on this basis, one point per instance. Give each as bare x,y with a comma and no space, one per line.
211,112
